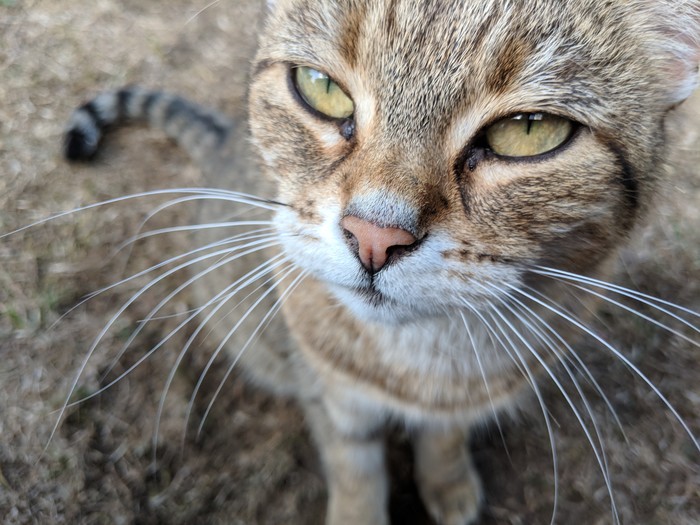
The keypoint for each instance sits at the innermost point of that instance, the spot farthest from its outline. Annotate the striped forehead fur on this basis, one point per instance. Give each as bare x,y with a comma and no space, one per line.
584,41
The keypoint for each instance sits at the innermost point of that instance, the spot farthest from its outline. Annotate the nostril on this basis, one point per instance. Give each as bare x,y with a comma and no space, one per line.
349,235
351,240
395,252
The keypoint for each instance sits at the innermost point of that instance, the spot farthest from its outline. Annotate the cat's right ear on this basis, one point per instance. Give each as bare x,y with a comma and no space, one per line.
675,40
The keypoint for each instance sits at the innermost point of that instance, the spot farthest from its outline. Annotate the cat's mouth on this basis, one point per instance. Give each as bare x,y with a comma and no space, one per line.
372,296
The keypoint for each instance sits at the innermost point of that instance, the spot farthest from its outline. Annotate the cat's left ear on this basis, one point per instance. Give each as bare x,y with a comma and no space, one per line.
675,40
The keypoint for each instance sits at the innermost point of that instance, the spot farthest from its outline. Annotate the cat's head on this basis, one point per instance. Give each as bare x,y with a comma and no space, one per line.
431,151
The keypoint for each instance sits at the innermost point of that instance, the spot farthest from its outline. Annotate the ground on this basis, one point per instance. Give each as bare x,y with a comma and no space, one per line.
253,462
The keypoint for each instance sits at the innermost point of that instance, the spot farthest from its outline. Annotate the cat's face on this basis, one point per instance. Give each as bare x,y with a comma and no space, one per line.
494,135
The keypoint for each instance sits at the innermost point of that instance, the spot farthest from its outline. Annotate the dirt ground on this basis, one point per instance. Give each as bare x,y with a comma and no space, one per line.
253,462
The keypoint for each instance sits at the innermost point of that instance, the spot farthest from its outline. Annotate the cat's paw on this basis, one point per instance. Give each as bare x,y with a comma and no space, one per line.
447,480
455,503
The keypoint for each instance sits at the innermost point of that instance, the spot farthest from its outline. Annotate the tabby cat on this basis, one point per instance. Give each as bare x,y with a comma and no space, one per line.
437,174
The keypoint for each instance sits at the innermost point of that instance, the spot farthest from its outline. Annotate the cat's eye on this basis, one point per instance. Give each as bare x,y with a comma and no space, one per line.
322,93
528,134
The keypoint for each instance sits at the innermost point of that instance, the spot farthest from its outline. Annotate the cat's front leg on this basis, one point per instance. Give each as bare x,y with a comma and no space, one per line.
448,482
351,444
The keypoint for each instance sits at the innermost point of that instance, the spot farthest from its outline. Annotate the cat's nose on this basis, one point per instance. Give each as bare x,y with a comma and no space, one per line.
373,244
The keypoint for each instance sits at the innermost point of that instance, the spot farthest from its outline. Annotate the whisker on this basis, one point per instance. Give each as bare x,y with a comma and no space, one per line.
496,340
643,316
599,455
254,234
483,376
211,4
194,227
174,202
577,361
121,310
134,334
647,299
521,364
572,319
151,214
198,194
271,313
602,459
226,294
230,196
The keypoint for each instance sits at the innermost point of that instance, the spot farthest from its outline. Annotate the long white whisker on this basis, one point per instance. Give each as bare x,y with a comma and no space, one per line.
271,313
483,376
143,358
258,233
599,452
647,299
571,319
251,247
118,314
195,194
530,318
169,204
525,369
643,316
201,193
497,341
258,244
285,272
254,234
193,227
570,352
245,281
577,362
222,344
162,207
209,5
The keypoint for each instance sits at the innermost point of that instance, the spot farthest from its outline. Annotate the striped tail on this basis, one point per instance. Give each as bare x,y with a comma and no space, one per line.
199,131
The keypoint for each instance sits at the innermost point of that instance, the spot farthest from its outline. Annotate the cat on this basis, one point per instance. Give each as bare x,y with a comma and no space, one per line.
438,173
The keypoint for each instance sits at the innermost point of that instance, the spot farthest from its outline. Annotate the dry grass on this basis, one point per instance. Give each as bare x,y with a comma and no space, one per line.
254,463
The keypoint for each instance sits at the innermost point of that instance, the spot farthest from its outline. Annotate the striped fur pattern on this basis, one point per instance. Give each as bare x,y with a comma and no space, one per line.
197,130
440,338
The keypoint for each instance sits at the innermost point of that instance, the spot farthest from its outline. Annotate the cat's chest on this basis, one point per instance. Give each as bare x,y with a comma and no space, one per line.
442,367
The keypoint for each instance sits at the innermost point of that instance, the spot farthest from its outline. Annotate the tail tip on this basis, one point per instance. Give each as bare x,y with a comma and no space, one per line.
80,144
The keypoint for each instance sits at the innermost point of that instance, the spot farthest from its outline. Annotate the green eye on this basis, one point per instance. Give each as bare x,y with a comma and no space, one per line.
322,94
528,134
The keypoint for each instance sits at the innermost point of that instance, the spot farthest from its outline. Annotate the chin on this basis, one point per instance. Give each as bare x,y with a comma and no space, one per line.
374,307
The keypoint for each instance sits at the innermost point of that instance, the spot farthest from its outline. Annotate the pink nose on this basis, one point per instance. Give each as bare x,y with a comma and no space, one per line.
374,244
